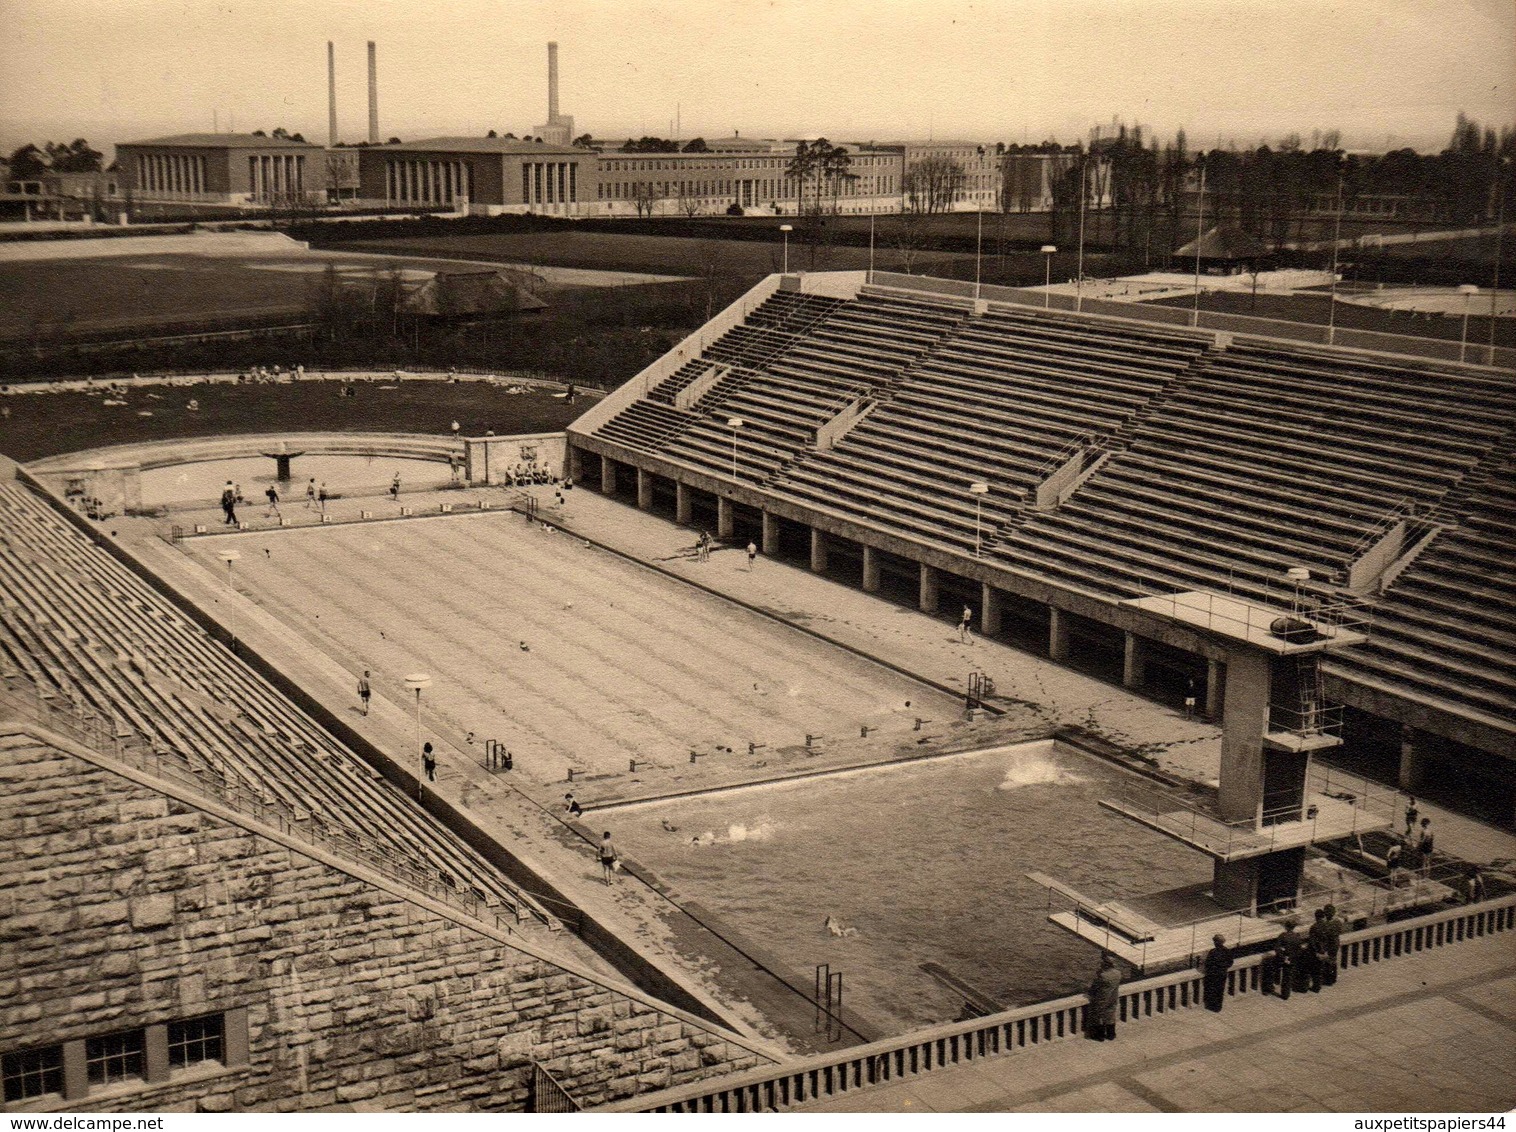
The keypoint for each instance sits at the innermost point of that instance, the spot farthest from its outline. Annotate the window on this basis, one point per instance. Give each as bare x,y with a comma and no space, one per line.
32,1073
113,1058
196,1041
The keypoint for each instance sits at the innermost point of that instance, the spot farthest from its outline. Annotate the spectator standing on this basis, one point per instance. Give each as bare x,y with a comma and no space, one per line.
1410,817
1105,1000
1331,928
1218,961
1424,842
364,691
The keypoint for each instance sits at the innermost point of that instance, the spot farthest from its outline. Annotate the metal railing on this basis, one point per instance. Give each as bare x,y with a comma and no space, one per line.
959,1043
548,1095
114,740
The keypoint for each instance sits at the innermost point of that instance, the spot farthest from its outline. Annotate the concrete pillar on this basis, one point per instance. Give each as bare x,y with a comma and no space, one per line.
1058,634
928,589
818,551
1134,662
575,464
682,510
1245,720
870,570
1412,760
770,535
1215,681
644,489
607,476
724,525
989,610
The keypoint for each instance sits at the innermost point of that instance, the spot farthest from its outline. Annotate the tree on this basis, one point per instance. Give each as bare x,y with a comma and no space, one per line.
584,141
644,197
931,184
492,134
76,157
28,163
690,203
696,145
648,144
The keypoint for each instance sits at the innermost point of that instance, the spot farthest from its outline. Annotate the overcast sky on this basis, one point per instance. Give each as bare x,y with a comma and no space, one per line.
1381,71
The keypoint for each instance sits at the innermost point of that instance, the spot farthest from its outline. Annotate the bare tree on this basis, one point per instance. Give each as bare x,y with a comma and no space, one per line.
690,202
932,184
644,197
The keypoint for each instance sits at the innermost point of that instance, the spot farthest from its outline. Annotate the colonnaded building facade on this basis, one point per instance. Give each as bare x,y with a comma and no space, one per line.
494,176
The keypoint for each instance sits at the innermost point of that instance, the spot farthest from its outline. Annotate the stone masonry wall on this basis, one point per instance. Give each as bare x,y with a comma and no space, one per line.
121,907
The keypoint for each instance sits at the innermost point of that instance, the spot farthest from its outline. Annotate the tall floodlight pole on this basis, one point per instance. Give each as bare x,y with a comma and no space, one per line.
1199,235
979,491
416,681
1468,291
1047,274
978,247
1079,279
734,423
786,229
1336,239
871,247
1500,170
230,556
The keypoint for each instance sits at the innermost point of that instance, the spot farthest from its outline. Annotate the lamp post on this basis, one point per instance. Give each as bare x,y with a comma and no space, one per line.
1047,274
734,423
1079,275
978,246
230,556
1199,235
1336,239
1468,291
979,491
786,229
416,681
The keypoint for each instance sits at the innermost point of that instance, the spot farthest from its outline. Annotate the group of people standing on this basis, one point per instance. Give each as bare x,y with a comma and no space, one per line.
1304,962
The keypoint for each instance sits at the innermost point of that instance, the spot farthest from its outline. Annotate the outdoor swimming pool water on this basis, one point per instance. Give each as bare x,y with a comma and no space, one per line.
926,860
344,475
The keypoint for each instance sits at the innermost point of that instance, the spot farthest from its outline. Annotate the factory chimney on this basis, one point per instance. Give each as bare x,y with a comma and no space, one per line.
552,84
331,94
373,96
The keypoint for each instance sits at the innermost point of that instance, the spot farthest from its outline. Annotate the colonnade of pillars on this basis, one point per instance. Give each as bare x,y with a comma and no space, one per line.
929,584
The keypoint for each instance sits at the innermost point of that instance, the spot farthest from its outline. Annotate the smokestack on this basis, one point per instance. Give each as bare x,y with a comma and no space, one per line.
331,94
552,84
373,95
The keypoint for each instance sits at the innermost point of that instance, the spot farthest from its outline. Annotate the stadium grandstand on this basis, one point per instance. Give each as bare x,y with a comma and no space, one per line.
1055,468
275,917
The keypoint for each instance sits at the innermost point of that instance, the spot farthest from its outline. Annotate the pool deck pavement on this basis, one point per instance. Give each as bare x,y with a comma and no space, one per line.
1434,1031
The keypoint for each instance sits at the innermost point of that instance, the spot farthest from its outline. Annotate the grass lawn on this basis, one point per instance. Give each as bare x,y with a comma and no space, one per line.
44,424
673,255
1313,307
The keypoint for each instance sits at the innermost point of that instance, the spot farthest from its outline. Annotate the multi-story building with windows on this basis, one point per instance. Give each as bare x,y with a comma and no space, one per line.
485,175
225,169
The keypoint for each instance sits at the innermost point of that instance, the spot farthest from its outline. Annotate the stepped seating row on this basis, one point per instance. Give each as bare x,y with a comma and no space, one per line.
990,408
79,624
1446,628
1247,469
646,425
770,325
852,353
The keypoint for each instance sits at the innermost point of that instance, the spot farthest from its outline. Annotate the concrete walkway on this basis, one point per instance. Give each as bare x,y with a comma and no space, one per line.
1430,1032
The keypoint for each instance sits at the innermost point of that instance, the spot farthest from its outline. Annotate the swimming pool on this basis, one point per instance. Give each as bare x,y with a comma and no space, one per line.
926,860
201,482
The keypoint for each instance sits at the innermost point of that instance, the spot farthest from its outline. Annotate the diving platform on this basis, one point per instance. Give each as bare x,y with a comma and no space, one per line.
1324,815
1281,630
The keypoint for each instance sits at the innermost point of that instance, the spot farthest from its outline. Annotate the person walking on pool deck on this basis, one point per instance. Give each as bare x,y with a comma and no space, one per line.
964,636
608,857
310,493
1424,841
1331,930
229,503
1218,961
1286,959
273,501
1410,817
395,488
429,762
752,553
1105,1001
364,691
